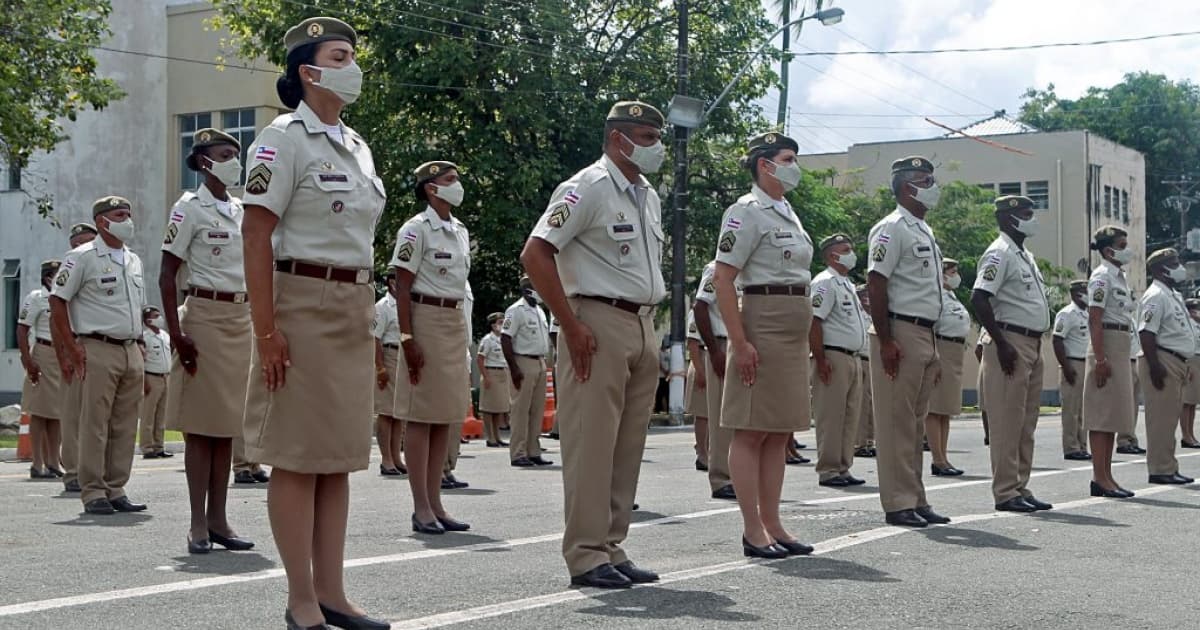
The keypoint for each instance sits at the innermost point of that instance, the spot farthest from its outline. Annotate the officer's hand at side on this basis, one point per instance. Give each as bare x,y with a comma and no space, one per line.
1069,374
382,378
1007,355
745,358
414,359
581,343
824,370
273,352
1158,375
700,379
32,370
889,352
717,358
518,377
145,387
1103,373
76,361
188,353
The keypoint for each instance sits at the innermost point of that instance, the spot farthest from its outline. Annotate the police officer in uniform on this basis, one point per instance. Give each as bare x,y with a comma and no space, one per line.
713,333
389,432
905,284
951,332
695,399
1127,441
1070,349
96,320
43,390
980,344
158,366
1108,384
80,234
595,258
1168,342
1010,302
312,186
837,338
1191,388
864,443
495,400
525,336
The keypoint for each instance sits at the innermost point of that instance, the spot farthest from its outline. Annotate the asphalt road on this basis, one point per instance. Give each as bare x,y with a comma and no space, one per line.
1090,563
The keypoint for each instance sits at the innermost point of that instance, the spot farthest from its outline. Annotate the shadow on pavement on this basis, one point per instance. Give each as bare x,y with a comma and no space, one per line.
126,519
221,562
642,516
823,568
450,540
655,602
470,491
1163,504
965,478
1067,518
974,538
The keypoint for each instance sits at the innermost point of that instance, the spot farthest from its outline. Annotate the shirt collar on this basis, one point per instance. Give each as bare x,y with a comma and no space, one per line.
1113,269
206,198
908,217
619,178
313,124
780,205
436,221
116,253
1010,242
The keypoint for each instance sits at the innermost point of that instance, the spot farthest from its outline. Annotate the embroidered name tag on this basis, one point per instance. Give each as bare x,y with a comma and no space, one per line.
623,228
442,255
333,177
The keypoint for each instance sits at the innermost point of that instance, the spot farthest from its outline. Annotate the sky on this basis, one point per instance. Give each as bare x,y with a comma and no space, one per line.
838,101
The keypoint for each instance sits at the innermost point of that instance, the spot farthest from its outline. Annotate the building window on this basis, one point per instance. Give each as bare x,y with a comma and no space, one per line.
1010,188
988,187
1039,192
1108,208
10,176
239,123
12,301
188,124
1125,207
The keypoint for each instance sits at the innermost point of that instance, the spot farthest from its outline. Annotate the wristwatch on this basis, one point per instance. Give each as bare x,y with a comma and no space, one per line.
405,337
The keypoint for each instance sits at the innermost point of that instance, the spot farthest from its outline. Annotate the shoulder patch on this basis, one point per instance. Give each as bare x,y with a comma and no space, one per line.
572,197
258,180
709,287
405,251
265,154
1098,295
733,223
879,251
172,232
558,217
1059,326
1149,315
63,274
989,273
883,238
818,299
728,239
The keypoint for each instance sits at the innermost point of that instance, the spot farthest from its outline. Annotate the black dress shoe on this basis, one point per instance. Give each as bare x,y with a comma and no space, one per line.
292,625
261,476
232,544
552,436
452,525
540,461
925,446
434,528
492,444
1077,456
1098,490
37,474
347,622
1187,444
150,455
634,508
58,474
389,472
402,468
99,506
863,451
904,518
1131,449
854,481
1015,504
635,575
798,459
522,462
929,516
794,547
769,551
450,482
198,547
701,466
834,482
71,486
724,492
1037,503
798,445
1167,479
1185,479
165,453
123,504
603,576
243,477
948,471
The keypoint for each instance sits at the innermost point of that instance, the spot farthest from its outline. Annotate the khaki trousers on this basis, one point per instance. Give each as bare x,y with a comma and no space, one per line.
1130,439
718,438
110,397
901,405
1162,412
240,464
866,415
1013,402
528,407
1074,436
836,408
453,448
73,392
604,422
153,415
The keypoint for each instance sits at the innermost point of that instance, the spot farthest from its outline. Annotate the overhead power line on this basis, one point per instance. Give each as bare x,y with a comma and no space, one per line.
939,51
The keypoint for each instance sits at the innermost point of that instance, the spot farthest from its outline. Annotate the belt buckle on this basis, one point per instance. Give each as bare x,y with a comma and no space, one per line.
363,276
644,310
239,298
458,305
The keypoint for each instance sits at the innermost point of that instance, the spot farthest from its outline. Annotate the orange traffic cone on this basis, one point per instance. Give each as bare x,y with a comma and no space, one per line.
548,414
472,427
24,441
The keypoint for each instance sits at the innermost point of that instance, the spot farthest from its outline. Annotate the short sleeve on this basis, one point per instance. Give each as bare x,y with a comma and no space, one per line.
1152,315
69,278
1060,325
512,321
992,267
824,297
571,210
707,291
271,173
410,247
180,227
1098,288
28,314
883,253
739,237
379,324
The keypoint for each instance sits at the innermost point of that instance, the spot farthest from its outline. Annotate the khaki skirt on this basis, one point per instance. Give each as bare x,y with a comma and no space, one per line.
320,421
385,398
1108,409
443,395
1191,387
947,394
695,400
213,401
497,398
44,399
778,402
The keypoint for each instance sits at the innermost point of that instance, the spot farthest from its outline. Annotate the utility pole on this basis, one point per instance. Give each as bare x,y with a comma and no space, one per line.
1181,201
678,228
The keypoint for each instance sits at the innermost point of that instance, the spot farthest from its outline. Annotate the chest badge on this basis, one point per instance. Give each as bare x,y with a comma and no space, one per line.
326,166
337,207
624,249
620,216
216,251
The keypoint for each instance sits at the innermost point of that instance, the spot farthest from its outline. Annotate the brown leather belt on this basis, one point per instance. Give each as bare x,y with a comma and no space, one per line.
1118,327
44,342
951,339
496,368
220,296
624,305
776,289
106,339
393,346
1020,330
1177,355
920,321
432,301
324,272
156,374
840,349
536,357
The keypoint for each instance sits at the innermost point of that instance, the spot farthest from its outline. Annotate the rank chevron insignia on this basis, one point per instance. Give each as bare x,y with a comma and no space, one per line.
258,180
559,216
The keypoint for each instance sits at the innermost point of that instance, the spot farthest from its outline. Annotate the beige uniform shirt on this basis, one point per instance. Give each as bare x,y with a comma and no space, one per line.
35,313
1108,289
158,351
104,290
1071,325
386,326
608,234
765,240
437,253
528,328
1164,314
1011,275
707,293
207,235
692,331
326,193
491,351
1196,333
843,319
954,320
904,251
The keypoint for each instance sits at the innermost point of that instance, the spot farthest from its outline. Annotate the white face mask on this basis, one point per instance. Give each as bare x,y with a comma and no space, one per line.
647,159
952,281
123,231
927,197
788,175
229,172
1028,228
346,81
1177,274
1122,256
848,260
451,193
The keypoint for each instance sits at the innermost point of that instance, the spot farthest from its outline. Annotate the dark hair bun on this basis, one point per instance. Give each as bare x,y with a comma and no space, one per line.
1094,247
192,163
290,92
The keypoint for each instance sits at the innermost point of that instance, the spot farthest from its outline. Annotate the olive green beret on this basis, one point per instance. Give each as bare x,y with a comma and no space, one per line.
149,308
834,239
1013,202
208,137
111,202
494,317
912,163
318,29
636,112
1161,256
50,266
1105,236
772,140
80,228
949,262
1079,284
430,170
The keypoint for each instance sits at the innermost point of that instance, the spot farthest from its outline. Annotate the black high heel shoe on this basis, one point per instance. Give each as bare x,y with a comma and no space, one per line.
451,525
1117,493
347,622
292,625
198,547
794,547
232,544
769,551
427,528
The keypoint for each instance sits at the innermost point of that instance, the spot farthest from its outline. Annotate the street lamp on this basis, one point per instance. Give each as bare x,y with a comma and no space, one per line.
686,113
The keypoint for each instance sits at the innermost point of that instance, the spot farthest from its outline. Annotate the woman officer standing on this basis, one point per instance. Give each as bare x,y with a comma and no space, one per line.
312,184
207,401
951,331
432,260
765,248
1108,385
495,397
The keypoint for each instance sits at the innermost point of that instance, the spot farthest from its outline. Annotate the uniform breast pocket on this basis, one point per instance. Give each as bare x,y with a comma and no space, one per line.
112,287
442,262
923,252
137,289
624,237
786,246
219,244
337,190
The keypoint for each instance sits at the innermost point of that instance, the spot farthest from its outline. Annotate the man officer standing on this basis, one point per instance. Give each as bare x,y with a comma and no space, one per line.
711,329
905,288
157,343
595,257
99,293
525,338
1070,349
1010,302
